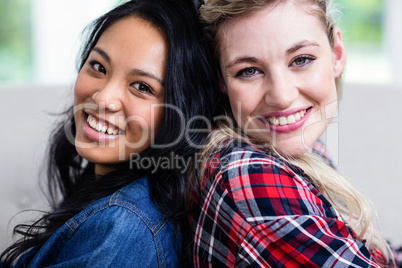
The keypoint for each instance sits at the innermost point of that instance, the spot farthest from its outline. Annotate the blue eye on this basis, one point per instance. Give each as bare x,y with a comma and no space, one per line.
302,60
247,72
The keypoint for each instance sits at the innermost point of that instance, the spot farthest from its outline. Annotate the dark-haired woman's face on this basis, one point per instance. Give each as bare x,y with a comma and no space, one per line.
119,93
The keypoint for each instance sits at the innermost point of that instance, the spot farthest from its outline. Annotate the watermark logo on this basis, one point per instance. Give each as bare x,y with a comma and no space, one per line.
186,130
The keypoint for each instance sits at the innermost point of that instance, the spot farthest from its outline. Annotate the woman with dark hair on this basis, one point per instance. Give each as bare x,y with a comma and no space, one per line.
123,158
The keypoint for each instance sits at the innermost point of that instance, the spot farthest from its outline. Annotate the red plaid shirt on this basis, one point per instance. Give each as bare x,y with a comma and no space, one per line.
257,211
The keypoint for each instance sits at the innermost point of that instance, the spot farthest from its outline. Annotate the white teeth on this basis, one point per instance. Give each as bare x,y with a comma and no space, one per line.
283,121
100,127
274,121
92,123
293,118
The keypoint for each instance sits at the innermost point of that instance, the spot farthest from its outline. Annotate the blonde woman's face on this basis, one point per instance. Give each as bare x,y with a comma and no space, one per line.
279,70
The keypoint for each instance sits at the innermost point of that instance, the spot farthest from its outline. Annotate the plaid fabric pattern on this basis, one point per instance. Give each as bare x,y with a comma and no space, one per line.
257,211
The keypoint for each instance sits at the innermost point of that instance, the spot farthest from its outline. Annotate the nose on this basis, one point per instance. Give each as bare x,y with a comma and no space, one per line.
280,90
108,96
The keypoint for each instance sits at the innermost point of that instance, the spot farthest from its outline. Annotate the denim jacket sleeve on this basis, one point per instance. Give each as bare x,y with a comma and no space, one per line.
116,232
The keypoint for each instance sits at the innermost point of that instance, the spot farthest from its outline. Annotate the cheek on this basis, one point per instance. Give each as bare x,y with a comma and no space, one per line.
238,99
238,109
328,94
157,120
321,88
245,105
144,123
82,89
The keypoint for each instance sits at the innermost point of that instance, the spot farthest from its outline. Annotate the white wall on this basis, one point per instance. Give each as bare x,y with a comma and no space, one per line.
56,30
393,38
370,149
26,115
57,25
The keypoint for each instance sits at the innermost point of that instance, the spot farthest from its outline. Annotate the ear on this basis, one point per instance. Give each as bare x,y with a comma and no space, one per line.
339,53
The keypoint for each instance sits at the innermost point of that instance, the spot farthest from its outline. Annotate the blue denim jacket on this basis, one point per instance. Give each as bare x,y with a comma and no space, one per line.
125,229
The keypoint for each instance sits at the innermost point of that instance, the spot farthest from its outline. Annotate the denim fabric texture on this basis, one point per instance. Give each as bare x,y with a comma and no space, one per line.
125,229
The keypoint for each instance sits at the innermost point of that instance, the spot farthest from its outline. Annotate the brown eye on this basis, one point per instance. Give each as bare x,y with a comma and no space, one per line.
100,68
142,87
97,67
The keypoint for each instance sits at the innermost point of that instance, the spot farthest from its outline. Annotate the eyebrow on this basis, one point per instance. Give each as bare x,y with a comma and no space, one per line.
102,53
301,44
148,74
134,71
294,48
241,60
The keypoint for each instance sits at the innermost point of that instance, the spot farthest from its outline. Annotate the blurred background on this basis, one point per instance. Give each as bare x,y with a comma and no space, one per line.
39,41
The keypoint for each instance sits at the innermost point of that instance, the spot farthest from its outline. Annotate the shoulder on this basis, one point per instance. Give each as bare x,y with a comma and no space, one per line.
258,210
132,202
257,182
241,154
239,160
118,229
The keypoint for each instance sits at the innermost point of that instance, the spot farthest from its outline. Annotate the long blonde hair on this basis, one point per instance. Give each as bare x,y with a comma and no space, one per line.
354,208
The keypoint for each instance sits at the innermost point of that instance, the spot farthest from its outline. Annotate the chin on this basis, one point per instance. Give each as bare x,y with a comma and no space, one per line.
293,147
294,151
99,155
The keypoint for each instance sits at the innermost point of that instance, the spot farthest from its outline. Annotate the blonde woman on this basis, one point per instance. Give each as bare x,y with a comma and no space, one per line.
267,200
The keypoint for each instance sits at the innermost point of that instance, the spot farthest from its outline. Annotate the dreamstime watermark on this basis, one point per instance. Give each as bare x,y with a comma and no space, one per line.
145,130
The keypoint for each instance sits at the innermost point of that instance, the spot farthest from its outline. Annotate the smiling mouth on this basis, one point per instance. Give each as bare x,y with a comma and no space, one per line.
103,127
285,120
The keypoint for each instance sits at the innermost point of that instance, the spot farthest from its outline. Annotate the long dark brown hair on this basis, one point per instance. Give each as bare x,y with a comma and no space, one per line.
190,86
